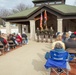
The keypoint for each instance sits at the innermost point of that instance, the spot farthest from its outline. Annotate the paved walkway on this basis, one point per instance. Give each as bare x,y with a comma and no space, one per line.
26,60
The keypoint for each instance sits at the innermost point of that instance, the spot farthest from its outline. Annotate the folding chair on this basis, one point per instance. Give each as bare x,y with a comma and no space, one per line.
23,40
58,61
11,44
1,47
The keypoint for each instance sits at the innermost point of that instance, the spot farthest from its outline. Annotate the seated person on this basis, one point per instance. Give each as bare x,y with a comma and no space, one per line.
19,38
4,42
58,58
58,40
11,38
64,36
67,36
71,42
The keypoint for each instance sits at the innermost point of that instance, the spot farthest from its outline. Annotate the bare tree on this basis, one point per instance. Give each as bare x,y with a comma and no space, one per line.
5,12
20,7
14,10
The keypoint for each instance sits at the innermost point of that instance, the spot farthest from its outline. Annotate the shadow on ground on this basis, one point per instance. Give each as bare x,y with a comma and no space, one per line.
39,64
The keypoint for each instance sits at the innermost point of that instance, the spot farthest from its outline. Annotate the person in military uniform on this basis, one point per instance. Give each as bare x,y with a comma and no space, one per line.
38,34
46,34
51,31
42,35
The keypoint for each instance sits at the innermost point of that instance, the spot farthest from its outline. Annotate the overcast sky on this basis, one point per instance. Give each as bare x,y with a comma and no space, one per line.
12,3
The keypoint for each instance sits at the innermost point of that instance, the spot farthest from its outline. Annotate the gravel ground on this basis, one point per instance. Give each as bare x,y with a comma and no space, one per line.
26,60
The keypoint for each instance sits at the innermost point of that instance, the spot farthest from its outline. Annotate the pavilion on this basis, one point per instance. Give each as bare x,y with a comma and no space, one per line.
61,17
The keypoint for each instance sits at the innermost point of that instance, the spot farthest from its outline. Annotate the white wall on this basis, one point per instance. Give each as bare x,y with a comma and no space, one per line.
3,30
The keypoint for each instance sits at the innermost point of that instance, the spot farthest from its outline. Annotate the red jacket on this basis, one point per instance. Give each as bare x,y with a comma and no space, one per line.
18,38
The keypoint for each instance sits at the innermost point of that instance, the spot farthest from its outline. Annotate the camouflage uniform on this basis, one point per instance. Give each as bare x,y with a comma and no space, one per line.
38,34
46,35
42,35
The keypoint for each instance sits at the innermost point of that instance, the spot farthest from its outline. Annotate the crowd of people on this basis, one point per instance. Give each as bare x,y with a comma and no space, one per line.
63,42
12,40
68,38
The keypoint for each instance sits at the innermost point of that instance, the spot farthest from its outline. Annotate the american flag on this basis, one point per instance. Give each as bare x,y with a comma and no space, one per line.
41,19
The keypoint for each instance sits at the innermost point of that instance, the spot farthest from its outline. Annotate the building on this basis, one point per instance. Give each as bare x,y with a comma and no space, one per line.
61,17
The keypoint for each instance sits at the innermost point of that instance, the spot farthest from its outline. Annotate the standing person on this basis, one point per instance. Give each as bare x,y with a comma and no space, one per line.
38,34
46,34
51,31
25,29
42,35
25,39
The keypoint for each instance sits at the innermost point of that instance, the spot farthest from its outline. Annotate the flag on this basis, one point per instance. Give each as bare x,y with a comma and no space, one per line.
45,18
41,19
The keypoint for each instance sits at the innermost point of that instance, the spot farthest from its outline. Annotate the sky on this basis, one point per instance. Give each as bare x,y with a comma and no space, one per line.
12,3
71,2
9,4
